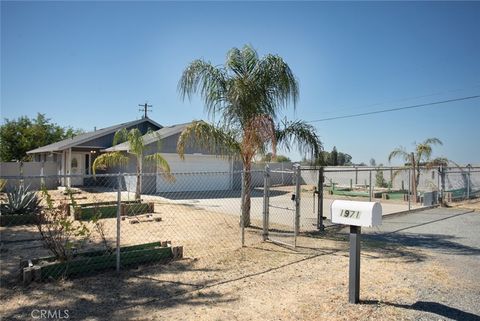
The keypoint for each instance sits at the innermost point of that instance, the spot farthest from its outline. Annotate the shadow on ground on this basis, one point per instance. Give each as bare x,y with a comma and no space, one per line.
431,307
101,296
443,243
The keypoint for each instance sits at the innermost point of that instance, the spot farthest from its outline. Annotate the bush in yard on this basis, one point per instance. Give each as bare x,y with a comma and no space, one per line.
380,180
60,233
21,201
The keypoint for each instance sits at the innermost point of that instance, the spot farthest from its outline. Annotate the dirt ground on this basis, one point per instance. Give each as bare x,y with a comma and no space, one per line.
259,282
473,204
219,280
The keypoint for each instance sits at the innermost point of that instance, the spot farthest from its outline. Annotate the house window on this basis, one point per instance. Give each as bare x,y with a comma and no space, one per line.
74,163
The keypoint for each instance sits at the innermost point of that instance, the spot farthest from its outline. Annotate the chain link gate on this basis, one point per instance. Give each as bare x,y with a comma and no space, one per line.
281,208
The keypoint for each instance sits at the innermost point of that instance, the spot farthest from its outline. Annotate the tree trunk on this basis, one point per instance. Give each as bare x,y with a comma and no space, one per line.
246,194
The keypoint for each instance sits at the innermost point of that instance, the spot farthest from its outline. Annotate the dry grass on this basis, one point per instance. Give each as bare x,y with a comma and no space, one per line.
261,282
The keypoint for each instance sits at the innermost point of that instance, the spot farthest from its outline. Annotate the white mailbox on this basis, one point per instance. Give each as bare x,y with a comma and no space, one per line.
356,213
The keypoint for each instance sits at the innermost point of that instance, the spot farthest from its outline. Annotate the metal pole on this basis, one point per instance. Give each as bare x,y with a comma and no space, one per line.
370,186
442,183
266,192
297,202
242,219
408,195
354,271
468,183
320,225
391,178
119,200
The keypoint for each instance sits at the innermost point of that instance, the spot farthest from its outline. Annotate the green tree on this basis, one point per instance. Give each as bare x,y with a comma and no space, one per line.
137,148
334,157
268,157
344,159
421,156
247,93
24,134
379,178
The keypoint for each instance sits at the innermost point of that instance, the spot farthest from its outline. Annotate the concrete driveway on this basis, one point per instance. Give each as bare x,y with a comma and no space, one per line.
282,208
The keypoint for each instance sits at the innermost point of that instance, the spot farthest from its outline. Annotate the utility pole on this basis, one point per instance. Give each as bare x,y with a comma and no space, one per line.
145,109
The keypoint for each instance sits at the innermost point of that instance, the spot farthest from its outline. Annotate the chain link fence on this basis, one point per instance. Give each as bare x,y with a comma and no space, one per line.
118,221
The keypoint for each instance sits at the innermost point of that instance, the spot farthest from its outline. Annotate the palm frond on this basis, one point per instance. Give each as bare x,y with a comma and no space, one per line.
279,81
440,161
209,137
432,141
120,136
109,160
210,81
161,164
301,134
399,152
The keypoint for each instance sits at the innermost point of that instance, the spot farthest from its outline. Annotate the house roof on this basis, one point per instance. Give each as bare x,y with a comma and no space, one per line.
82,138
152,137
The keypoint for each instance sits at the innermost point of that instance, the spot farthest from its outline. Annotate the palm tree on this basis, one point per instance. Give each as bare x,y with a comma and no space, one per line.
420,157
247,93
134,137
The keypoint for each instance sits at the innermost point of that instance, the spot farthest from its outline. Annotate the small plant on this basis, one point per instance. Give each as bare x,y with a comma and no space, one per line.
99,227
21,201
380,180
61,235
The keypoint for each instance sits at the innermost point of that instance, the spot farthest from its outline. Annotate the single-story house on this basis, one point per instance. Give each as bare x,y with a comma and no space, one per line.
74,156
199,171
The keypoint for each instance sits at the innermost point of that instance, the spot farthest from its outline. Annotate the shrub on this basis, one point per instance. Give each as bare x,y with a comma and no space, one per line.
61,234
21,201
380,180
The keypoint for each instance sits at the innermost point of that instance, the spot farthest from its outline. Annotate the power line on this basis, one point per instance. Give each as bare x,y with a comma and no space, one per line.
396,109
398,100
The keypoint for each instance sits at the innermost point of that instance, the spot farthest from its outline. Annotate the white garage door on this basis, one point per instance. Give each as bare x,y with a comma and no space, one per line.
196,173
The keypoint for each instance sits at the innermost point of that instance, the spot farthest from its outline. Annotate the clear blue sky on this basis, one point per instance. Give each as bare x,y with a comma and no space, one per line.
89,64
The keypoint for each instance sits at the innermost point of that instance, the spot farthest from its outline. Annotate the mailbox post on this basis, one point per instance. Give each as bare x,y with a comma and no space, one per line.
355,214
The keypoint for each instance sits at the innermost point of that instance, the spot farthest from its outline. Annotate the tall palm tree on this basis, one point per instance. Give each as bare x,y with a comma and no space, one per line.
421,156
137,147
247,94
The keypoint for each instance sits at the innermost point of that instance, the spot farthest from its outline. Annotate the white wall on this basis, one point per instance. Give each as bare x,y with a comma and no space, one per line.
18,169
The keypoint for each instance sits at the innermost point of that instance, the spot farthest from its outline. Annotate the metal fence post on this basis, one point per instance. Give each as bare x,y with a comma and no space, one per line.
242,219
119,200
266,202
442,183
409,186
297,202
468,182
370,186
320,225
